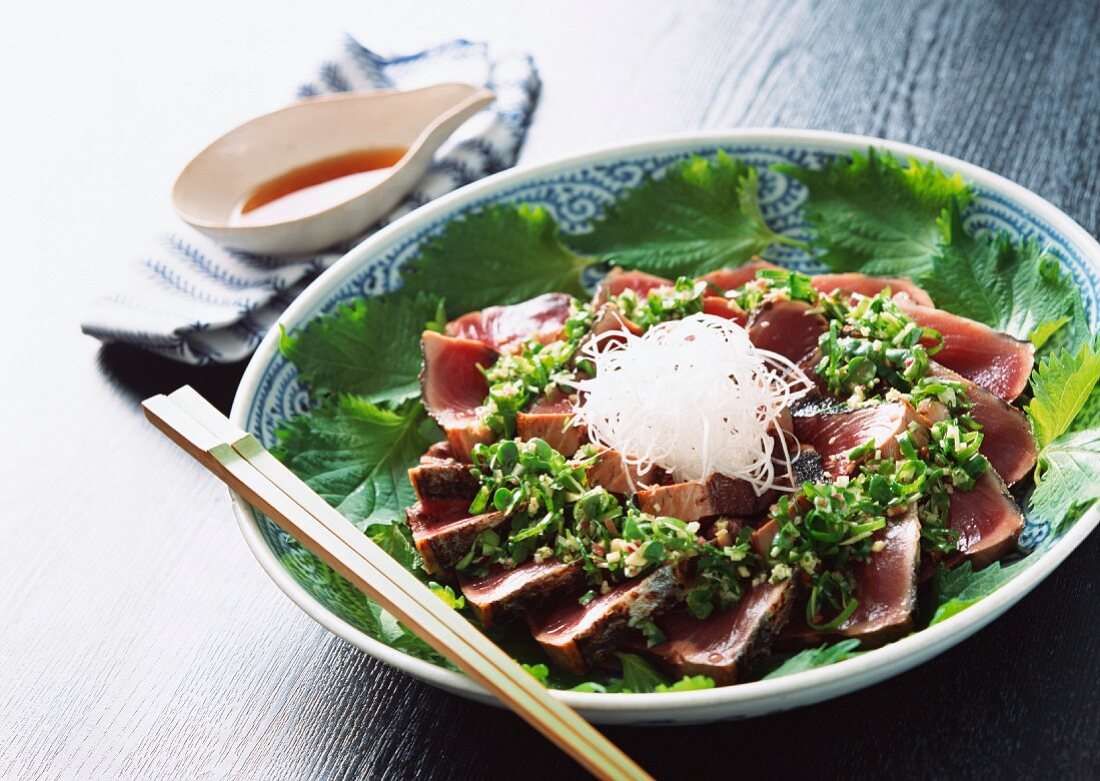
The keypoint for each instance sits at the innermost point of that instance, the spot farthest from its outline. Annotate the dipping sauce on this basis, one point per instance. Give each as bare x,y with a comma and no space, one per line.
315,187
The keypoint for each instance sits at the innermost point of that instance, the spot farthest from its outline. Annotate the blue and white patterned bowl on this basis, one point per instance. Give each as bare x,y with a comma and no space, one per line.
575,191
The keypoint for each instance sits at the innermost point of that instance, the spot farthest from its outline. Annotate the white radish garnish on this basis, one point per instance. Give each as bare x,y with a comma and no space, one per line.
695,397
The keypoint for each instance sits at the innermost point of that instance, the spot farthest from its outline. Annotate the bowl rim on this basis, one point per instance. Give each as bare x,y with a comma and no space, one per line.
787,691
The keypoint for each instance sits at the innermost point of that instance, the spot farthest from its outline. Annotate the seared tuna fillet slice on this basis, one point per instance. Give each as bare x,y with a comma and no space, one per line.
886,588
733,278
505,327
834,435
987,520
453,388
717,495
854,282
575,636
552,420
725,645
762,536
788,328
439,450
443,479
607,325
611,472
994,360
641,283
505,594
724,308
443,532
1007,440
618,280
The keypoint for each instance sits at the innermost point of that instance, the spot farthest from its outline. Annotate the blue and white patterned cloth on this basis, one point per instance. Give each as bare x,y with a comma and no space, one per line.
195,301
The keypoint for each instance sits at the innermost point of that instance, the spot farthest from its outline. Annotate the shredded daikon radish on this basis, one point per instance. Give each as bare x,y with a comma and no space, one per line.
695,397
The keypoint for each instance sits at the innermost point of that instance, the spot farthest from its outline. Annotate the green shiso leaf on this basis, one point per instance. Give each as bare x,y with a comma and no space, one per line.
370,348
872,214
393,633
357,455
396,540
352,605
701,215
332,590
816,657
447,594
1019,289
1064,393
1065,417
954,590
540,672
1066,479
687,683
1070,336
639,677
499,255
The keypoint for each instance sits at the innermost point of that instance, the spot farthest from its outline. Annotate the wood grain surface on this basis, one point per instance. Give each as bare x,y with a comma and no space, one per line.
138,638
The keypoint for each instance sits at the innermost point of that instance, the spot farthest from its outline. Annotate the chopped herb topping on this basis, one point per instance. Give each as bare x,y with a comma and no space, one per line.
951,394
716,566
827,527
554,512
517,378
771,284
872,351
671,302
531,483
615,543
951,463
871,345
822,531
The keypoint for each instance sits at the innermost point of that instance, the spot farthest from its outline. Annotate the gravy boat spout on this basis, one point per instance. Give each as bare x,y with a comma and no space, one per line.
309,137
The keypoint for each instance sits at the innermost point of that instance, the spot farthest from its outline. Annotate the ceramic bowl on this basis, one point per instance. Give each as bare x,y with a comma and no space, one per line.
576,190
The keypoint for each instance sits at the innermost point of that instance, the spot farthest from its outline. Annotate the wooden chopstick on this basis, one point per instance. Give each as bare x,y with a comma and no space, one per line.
240,461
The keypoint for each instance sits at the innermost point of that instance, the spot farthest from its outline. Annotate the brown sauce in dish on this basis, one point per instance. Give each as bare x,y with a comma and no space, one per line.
317,186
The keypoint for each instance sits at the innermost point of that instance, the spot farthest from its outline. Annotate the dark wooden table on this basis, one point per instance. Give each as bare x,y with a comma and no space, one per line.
138,638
